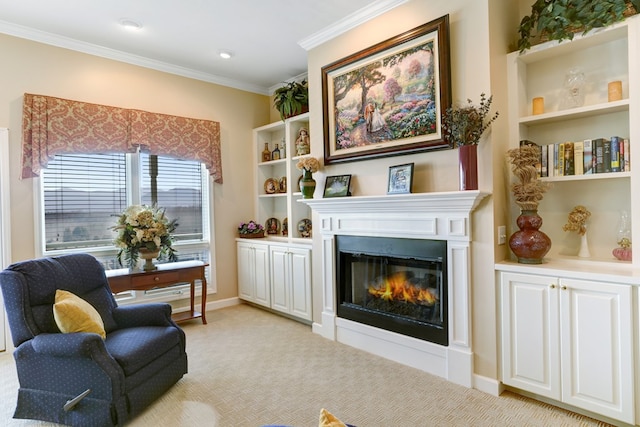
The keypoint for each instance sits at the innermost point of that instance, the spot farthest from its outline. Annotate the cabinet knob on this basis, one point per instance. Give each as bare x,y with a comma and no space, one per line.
552,286
156,278
564,288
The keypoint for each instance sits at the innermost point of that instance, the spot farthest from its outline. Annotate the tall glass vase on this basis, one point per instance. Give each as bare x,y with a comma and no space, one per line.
307,184
529,244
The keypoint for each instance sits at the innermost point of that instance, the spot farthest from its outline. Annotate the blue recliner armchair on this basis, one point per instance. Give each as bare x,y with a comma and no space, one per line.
142,356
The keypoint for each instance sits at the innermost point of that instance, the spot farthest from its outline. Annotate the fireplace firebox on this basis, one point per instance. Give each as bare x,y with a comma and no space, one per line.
396,284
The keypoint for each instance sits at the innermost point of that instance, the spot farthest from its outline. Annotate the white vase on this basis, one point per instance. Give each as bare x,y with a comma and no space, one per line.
584,247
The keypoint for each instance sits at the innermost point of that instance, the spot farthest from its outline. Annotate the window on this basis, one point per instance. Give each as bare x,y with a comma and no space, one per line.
82,194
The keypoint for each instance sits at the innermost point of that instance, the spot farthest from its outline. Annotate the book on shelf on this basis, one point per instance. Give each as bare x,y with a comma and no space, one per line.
599,155
627,156
586,157
606,155
569,167
560,159
587,154
615,153
578,157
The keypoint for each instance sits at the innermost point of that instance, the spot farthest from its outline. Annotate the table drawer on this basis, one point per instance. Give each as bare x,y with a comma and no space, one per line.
160,278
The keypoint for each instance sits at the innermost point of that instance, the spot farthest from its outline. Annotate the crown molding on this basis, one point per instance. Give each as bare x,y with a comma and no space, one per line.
96,50
349,22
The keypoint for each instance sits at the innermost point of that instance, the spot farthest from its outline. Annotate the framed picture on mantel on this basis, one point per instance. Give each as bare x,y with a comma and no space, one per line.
388,99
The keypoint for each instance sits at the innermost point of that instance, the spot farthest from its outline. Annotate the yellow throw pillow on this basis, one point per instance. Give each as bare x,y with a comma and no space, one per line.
73,314
328,420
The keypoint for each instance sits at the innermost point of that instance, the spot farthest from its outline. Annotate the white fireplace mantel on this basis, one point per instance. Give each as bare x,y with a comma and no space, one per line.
438,216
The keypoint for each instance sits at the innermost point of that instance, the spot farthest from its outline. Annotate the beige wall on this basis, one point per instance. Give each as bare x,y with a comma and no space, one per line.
478,45
42,69
480,31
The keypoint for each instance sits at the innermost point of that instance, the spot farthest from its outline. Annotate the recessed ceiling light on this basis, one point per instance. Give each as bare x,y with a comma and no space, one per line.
130,24
225,54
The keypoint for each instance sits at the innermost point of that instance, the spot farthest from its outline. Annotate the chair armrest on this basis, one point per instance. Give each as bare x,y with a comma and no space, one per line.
150,314
79,344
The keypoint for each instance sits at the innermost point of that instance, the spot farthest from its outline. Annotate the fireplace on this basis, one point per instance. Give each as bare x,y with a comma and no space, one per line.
394,284
439,221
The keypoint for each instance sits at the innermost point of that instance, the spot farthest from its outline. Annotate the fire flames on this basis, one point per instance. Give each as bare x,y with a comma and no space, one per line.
399,287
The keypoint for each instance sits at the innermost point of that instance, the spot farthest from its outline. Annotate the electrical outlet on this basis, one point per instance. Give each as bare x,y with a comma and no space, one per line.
502,235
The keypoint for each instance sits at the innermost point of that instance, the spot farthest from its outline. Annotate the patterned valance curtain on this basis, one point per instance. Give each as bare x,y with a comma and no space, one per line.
53,126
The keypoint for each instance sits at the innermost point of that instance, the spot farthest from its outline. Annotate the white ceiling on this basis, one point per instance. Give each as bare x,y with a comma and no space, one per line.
269,38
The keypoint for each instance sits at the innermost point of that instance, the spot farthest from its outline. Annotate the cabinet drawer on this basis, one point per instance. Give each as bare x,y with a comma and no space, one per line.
153,279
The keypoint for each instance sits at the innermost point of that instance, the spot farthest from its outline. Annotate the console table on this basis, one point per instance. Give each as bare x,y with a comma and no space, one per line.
166,275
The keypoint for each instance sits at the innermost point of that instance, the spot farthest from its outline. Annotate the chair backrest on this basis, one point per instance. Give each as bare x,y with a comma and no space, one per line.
29,289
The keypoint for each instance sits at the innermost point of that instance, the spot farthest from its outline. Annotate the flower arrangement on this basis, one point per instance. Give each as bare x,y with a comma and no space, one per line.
529,190
577,220
250,227
310,164
142,227
465,124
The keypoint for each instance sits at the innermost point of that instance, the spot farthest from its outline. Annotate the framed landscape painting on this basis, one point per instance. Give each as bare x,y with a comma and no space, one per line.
388,99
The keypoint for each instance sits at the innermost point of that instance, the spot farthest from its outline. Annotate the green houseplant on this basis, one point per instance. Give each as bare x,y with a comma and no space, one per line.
562,19
292,99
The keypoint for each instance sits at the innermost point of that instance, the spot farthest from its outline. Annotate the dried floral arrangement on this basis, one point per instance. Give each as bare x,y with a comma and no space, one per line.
577,220
250,227
464,125
310,164
529,190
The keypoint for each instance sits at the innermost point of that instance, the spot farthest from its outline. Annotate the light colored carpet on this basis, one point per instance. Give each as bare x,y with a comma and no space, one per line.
248,367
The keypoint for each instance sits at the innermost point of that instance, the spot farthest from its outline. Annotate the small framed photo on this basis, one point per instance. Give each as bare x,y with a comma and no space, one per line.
400,179
337,186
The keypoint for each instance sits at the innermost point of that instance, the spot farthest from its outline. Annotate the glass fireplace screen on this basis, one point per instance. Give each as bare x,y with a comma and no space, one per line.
394,284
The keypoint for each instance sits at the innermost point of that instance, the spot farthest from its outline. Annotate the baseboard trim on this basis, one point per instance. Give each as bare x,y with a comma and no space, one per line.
487,385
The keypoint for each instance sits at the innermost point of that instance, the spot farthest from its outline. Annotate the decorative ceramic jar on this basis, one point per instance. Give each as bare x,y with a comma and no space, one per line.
307,184
529,244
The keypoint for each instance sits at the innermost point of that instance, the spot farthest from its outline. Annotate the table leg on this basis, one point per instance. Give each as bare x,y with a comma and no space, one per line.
204,299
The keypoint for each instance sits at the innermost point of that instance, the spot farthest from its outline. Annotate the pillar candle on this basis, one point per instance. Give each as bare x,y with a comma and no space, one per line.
615,91
538,105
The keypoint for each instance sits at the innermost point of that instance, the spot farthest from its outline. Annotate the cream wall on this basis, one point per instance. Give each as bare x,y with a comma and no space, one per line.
478,47
42,69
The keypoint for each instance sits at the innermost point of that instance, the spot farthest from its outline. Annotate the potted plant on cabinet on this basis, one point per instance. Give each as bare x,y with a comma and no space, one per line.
562,19
292,99
463,126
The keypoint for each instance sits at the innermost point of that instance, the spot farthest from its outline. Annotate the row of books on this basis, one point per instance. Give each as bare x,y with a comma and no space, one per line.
590,156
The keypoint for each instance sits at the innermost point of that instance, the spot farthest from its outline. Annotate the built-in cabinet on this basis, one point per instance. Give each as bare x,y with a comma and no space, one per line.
571,340
277,190
607,55
275,275
275,271
568,327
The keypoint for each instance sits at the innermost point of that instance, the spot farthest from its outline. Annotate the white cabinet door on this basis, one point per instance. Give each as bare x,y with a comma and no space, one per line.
261,274
300,283
253,273
291,281
246,273
530,335
280,279
597,351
